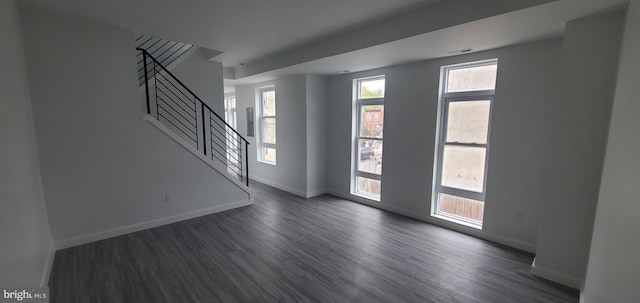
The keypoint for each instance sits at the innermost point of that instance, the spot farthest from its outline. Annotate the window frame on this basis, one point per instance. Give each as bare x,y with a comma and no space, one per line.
231,117
446,98
262,145
358,120
230,110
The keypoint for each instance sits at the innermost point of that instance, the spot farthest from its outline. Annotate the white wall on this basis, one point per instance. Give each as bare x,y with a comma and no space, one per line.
204,78
590,58
105,170
290,171
24,227
301,134
316,134
613,274
519,157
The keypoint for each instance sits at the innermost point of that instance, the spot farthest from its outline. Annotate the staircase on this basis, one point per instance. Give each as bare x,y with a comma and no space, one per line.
165,51
174,105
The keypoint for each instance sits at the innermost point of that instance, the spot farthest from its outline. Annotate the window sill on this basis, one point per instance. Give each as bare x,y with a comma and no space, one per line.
365,196
267,162
452,219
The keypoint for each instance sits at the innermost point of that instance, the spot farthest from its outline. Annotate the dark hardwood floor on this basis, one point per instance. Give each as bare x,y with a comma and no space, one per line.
288,249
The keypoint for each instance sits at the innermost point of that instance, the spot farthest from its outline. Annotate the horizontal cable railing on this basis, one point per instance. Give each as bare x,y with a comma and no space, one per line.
164,51
179,109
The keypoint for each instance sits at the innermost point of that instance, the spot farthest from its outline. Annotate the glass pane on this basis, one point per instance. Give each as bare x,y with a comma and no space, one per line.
232,119
371,121
468,121
371,89
472,78
463,167
369,187
370,156
269,130
269,154
461,207
269,103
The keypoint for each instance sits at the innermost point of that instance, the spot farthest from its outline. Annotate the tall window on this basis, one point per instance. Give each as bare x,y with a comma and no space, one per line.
230,110
367,143
463,142
231,137
267,120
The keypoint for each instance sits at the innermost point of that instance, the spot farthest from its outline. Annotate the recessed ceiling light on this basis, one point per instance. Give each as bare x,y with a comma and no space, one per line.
344,71
460,51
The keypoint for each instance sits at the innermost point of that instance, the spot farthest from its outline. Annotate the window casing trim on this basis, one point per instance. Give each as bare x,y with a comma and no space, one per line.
446,98
261,144
357,118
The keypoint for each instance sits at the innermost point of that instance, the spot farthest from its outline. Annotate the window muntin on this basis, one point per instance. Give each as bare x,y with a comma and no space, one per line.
267,150
463,142
368,141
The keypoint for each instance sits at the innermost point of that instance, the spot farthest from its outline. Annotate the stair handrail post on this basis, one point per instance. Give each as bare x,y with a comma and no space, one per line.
146,80
203,107
246,160
204,134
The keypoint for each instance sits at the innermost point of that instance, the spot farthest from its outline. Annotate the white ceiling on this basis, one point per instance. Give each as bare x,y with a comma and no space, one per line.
243,29
279,37
532,24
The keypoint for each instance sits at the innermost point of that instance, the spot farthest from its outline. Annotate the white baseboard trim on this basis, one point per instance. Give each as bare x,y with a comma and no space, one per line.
439,222
149,224
280,186
48,264
314,193
555,276
218,167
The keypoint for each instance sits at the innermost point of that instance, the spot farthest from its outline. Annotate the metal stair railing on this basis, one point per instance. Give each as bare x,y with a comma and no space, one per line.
173,104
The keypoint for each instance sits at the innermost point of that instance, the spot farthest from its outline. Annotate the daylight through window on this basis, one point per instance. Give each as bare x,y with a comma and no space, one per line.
267,124
366,179
463,142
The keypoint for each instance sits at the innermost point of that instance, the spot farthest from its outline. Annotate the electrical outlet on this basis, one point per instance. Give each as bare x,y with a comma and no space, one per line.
168,197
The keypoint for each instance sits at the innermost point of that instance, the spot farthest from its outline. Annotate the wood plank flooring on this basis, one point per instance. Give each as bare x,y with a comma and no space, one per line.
288,249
